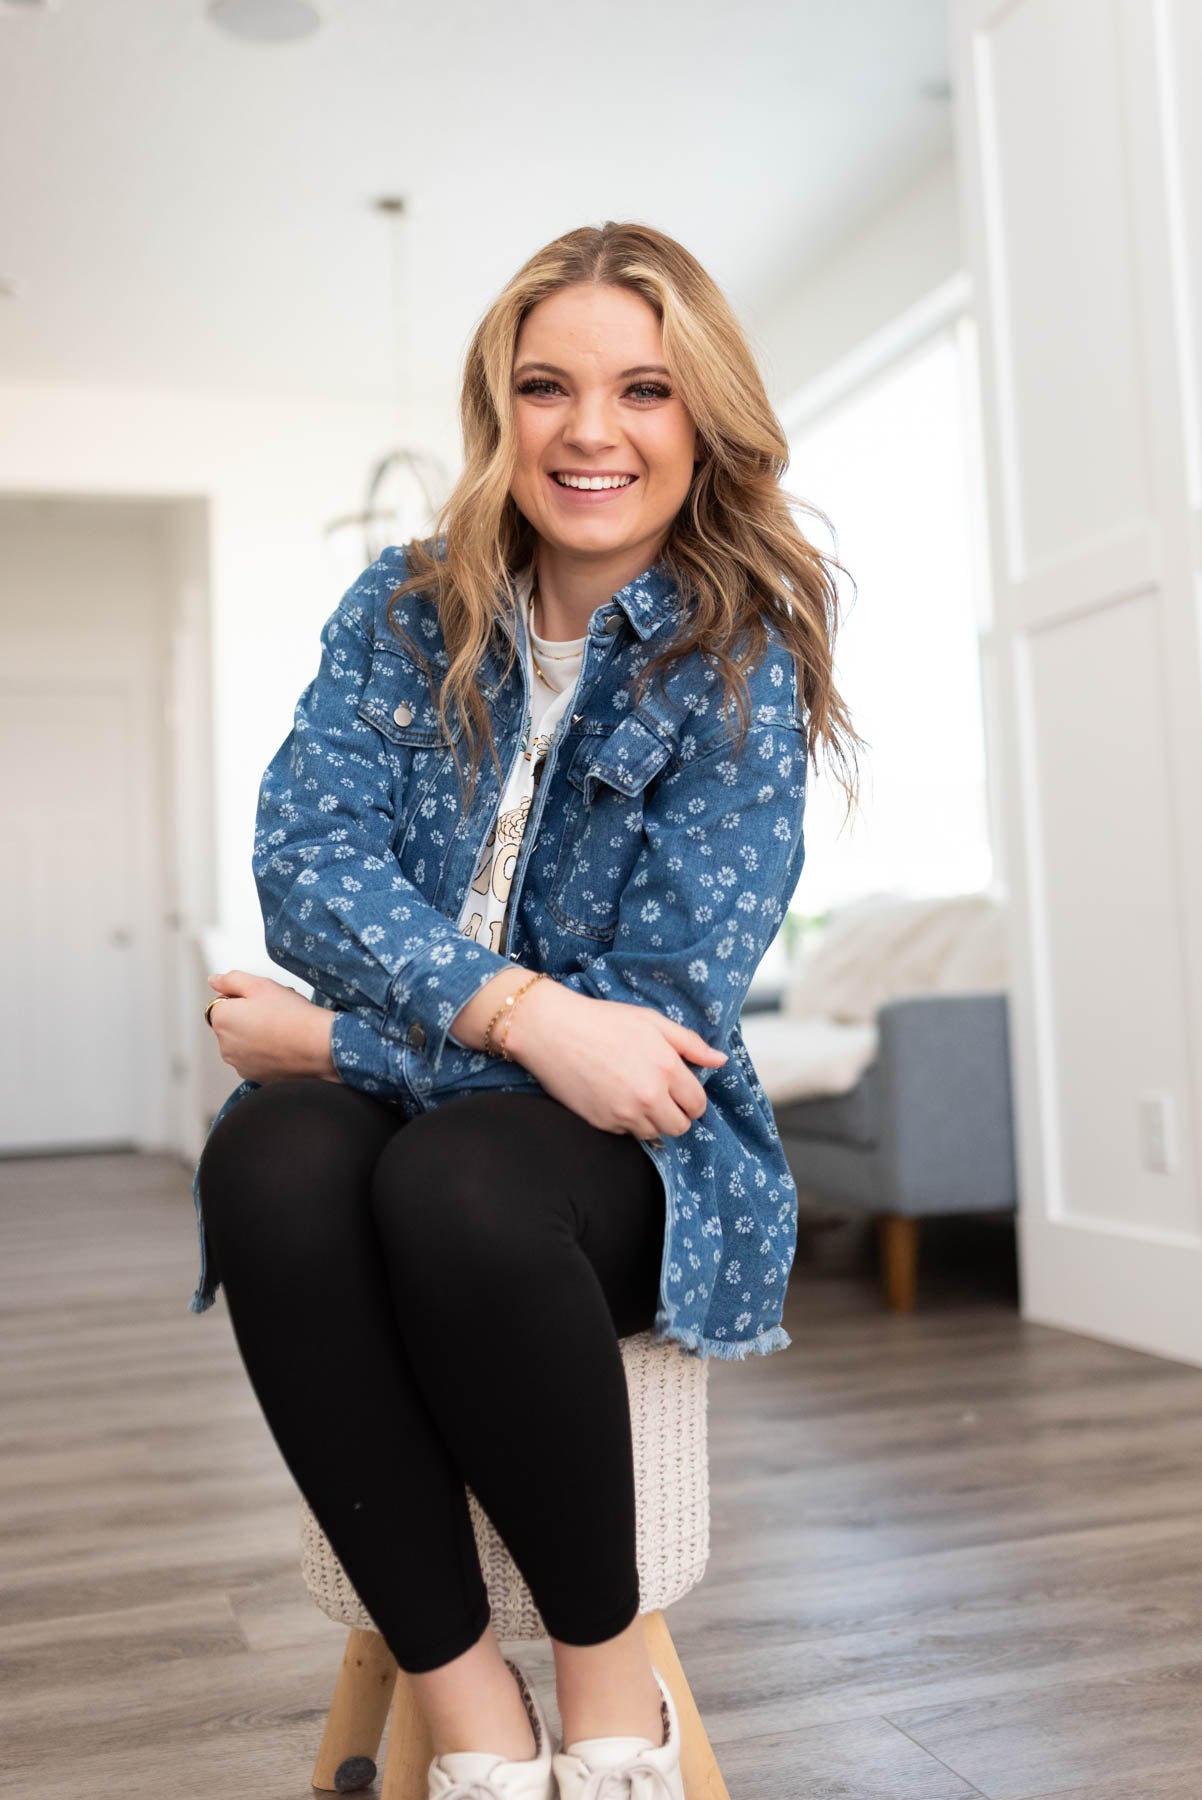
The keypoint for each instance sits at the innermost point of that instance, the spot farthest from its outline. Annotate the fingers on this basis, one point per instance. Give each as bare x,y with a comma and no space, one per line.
690,1043
671,1119
234,982
689,1095
684,1102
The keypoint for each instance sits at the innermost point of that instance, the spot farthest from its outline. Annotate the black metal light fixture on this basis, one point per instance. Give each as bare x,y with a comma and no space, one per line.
269,21
407,485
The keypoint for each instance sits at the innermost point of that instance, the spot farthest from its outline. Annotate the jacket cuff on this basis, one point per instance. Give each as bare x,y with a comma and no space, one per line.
363,1058
434,986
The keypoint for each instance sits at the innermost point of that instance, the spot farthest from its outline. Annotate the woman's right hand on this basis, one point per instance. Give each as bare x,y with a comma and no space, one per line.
623,1068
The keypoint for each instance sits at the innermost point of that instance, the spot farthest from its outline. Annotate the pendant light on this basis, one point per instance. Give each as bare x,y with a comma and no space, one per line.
407,485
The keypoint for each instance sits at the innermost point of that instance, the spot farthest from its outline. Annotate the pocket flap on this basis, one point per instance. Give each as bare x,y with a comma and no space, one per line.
626,759
396,700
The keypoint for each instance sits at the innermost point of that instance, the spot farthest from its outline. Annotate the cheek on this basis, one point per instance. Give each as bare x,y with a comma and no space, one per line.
671,474
532,441
669,452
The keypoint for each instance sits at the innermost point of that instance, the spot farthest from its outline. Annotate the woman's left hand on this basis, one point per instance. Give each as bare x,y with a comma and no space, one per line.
268,1031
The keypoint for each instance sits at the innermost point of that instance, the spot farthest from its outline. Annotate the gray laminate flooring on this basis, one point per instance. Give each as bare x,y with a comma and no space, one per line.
953,1554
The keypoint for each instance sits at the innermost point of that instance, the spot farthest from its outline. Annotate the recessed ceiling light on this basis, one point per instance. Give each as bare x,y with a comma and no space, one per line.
268,21
28,6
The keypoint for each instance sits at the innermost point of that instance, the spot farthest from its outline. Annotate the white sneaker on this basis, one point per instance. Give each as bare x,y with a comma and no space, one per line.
624,1768
483,1775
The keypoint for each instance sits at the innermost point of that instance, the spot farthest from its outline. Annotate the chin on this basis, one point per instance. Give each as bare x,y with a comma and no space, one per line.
589,536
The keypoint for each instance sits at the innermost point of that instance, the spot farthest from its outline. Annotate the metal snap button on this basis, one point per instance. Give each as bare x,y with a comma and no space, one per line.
416,1035
403,714
657,1141
613,623
576,718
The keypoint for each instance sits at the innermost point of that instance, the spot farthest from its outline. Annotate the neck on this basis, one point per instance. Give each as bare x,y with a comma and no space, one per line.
572,586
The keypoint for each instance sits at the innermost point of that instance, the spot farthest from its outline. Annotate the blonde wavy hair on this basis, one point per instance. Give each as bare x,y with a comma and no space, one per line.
734,549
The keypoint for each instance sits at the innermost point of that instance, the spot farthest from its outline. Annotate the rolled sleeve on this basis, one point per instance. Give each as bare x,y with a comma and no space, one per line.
363,1057
337,909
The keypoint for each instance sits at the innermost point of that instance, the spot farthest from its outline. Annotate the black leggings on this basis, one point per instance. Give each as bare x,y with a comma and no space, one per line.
427,1302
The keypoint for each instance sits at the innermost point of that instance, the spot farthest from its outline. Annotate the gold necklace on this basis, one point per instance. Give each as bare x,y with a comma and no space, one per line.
569,657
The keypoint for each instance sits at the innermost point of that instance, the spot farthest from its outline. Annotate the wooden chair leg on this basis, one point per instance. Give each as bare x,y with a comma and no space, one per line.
410,1747
897,1239
698,1764
355,1723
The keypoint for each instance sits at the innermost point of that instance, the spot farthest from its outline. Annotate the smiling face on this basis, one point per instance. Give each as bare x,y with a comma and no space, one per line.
595,405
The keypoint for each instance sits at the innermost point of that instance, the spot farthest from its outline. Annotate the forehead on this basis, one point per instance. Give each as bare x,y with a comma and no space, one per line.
593,325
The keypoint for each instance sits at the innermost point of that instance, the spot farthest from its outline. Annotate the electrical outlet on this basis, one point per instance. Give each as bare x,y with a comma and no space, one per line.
1157,1125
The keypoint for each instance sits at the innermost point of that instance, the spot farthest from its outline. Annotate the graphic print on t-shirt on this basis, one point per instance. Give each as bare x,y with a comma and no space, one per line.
484,915
497,861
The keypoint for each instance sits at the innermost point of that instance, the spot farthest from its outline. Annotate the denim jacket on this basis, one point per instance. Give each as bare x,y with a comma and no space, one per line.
656,868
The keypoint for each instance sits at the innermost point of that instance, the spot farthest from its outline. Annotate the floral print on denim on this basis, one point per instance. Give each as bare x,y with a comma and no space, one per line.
656,869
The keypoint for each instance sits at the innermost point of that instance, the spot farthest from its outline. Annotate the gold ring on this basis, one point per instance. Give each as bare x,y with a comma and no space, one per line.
210,1006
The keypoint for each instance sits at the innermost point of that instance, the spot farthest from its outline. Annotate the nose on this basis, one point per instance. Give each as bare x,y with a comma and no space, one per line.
589,427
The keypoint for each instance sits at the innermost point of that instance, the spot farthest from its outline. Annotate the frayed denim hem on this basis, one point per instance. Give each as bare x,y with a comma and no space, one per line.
694,1343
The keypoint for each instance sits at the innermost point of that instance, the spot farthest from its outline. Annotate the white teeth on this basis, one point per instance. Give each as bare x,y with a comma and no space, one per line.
594,481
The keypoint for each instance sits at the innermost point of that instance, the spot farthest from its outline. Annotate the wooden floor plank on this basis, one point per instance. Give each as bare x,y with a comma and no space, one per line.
955,1556
1068,1733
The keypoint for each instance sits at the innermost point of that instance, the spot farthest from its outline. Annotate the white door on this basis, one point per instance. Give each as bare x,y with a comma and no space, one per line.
1081,172
72,918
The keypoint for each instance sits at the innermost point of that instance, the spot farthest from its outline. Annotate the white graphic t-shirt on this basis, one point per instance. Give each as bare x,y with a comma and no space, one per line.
483,917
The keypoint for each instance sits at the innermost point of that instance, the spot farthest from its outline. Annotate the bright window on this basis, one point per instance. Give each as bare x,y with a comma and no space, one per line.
890,468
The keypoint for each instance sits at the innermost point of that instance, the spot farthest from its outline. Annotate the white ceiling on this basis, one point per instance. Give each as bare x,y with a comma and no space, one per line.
179,208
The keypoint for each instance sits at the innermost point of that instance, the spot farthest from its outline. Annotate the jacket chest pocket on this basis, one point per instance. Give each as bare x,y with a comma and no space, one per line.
608,778
395,700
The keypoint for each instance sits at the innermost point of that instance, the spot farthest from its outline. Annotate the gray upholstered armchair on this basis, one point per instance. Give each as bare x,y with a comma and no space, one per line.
927,1128
922,1120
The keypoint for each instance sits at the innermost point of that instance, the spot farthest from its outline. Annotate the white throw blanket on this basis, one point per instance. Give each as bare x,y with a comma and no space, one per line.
798,1059
873,950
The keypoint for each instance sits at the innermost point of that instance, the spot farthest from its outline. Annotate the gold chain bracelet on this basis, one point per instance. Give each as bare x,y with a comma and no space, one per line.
506,1009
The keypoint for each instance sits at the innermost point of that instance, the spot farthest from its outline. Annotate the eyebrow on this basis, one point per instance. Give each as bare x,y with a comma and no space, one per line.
640,369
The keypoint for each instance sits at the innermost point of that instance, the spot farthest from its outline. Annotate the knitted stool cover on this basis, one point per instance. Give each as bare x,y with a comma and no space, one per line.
668,1396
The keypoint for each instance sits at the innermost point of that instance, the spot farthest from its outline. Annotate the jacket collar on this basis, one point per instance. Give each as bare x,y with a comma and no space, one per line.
648,600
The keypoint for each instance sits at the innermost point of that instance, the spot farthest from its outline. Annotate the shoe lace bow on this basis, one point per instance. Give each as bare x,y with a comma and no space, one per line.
630,1781
471,1790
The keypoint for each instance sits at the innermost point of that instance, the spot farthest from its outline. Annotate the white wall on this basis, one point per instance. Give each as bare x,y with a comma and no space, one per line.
269,473
890,264
1082,208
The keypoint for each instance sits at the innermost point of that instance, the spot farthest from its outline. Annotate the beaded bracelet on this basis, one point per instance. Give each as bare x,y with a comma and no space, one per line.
506,1008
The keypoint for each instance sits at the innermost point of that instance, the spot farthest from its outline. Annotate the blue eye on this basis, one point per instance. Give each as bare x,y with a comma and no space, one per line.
646,390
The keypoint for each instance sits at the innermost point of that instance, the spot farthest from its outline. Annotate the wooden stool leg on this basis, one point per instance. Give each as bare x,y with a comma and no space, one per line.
410,1748
355,1723
698,1764
897,1237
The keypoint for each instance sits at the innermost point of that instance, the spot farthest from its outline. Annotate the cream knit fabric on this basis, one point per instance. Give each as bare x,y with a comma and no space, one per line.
668,1416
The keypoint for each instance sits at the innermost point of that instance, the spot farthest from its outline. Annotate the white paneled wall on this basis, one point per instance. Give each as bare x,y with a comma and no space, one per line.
1081,205
239,488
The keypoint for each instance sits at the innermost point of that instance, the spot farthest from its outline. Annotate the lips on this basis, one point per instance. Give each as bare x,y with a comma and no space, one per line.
614,477
578,496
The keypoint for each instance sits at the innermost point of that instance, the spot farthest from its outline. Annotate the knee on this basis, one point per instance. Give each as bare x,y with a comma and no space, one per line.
425,1189
445,1194
281,1142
